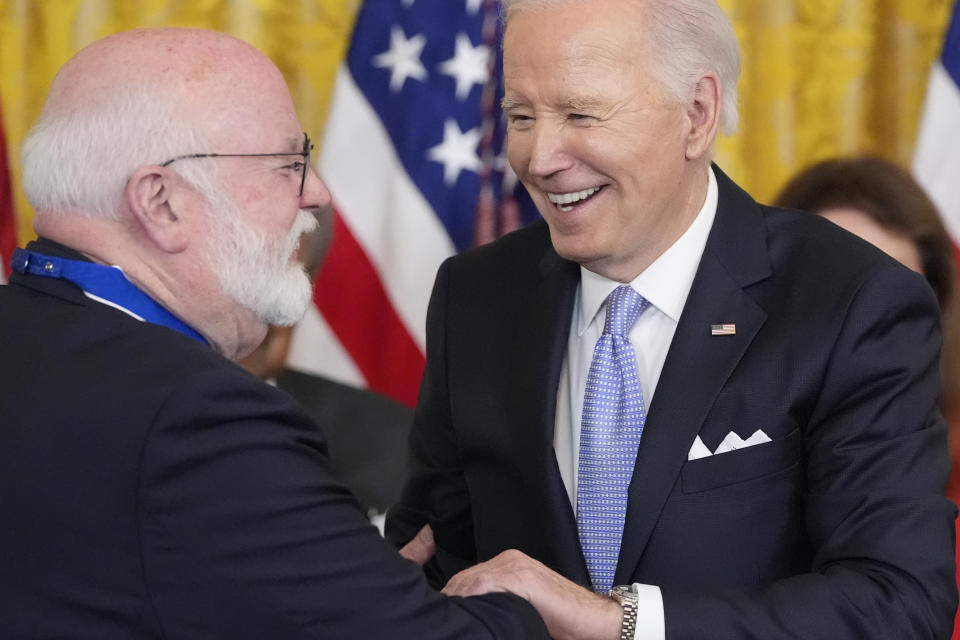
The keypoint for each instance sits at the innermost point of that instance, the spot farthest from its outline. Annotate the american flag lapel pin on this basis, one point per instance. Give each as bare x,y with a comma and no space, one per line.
723,329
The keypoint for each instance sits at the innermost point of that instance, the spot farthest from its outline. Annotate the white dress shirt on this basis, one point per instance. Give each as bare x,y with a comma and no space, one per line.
665,284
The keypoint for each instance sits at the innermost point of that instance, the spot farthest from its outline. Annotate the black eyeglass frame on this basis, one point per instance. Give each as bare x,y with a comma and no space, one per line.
305,154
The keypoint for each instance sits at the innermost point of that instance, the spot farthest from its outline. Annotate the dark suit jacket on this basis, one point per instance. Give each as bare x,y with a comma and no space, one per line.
366,435
149,488
836,529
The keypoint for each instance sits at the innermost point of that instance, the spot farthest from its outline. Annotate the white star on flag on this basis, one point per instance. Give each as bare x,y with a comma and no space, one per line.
468,65
403,58
426,193
457,152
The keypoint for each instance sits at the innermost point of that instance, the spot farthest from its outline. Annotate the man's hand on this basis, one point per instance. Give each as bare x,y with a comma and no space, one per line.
570,611
421,548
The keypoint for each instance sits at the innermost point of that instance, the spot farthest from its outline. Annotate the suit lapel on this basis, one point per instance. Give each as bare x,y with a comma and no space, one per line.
540,347
698,363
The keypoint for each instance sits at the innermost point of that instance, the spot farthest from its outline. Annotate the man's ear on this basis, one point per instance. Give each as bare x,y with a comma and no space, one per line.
704,116
148,197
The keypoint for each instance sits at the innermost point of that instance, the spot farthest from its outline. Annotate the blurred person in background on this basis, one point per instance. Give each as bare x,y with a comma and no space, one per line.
883,204
367,431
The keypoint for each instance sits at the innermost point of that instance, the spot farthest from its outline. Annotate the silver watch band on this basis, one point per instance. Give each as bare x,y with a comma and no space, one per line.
627,598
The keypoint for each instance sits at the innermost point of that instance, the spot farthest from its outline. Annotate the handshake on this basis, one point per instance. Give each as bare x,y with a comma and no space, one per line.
569,610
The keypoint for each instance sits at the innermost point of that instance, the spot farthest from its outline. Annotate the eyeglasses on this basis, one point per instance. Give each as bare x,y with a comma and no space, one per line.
305,154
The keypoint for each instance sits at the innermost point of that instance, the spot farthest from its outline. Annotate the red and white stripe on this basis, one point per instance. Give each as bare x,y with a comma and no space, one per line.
367,327
936,162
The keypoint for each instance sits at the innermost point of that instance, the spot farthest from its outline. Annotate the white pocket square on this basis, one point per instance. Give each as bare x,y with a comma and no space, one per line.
731,442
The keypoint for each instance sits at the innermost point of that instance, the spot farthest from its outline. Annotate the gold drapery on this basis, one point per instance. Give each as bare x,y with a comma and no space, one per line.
820,77
828,77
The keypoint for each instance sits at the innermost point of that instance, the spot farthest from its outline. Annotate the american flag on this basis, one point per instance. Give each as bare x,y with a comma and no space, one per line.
412,155
936,162
8,241
723,329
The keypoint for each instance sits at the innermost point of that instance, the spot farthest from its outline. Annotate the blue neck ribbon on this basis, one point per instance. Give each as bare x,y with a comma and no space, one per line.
104,282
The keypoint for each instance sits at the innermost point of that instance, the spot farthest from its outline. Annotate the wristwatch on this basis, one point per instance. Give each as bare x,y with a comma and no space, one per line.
627,598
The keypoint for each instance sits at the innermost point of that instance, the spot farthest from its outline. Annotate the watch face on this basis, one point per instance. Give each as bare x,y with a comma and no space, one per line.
622,592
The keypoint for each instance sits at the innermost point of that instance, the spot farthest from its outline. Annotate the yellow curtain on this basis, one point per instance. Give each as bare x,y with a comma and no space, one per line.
820,77
828,77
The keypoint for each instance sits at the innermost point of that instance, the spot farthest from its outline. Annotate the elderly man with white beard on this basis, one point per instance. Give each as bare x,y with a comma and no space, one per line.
149,487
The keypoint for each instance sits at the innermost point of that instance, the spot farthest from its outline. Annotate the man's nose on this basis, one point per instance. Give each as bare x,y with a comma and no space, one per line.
315,193
548,153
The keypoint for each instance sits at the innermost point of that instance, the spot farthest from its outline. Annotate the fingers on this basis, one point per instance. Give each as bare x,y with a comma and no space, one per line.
421,548
464,584
508,571
569,610
473,582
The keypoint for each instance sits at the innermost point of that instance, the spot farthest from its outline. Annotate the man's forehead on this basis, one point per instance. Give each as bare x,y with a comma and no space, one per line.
575,58
295,143
576,72
569,99
245,121
259,137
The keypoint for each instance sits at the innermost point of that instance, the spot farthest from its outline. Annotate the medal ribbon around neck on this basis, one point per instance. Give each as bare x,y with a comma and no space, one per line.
104,284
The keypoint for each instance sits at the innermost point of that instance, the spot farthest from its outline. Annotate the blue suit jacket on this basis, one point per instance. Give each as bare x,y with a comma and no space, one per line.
835,529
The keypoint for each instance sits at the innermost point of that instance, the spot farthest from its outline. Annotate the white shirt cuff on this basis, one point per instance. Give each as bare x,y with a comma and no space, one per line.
650,623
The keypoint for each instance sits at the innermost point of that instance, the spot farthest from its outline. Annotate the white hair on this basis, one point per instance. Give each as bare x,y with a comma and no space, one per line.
79,157
686,38
254,269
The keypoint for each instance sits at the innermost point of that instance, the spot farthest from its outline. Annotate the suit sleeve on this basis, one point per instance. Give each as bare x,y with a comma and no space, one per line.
247,534
436,492
882,535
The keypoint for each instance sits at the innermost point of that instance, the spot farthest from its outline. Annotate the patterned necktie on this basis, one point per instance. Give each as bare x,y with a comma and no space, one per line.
613,416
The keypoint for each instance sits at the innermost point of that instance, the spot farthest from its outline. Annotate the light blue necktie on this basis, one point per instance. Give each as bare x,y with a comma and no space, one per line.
613,416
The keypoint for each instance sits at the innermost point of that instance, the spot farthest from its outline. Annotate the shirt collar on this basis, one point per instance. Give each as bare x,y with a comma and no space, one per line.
667,281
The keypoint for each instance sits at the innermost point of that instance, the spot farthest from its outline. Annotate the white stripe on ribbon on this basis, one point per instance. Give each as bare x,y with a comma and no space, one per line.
389,217
110,303
936,161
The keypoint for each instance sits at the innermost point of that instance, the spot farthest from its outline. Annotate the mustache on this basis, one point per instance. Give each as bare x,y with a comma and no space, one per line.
305,223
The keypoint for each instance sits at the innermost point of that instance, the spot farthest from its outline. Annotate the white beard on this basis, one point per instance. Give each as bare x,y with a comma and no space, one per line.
255,271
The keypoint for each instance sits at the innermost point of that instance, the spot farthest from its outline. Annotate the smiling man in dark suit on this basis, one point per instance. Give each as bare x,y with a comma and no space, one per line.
149,487
720,413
